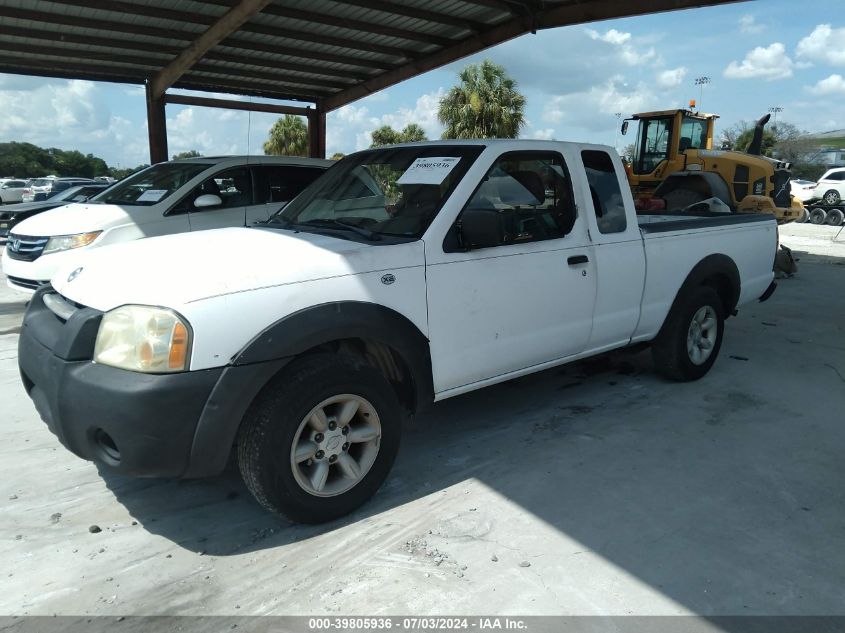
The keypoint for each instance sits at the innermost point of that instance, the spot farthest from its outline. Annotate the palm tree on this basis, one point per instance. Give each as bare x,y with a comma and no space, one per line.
486,104
386,135
288,137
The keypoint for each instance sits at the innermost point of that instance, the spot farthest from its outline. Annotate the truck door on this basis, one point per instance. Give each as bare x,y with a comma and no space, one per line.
617,249
523,302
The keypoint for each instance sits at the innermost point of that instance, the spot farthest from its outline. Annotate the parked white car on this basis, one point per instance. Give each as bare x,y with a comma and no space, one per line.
172,197
831,187
405,275
804,190
11,191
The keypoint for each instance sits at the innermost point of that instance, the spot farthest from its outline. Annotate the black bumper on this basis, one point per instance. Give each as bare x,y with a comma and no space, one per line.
168,425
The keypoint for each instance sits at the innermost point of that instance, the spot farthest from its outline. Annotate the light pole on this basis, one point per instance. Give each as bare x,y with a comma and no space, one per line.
701,82
774,110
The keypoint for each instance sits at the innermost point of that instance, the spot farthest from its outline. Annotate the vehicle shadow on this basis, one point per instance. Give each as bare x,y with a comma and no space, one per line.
720,494
219,517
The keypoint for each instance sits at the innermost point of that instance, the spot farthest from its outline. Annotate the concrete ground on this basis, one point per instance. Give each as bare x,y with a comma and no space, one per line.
591,489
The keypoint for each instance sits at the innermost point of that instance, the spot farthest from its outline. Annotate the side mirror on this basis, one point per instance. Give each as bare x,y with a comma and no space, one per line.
207,200
481,228
624,128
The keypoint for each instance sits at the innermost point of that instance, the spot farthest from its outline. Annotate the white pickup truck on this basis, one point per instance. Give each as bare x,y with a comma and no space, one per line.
403,276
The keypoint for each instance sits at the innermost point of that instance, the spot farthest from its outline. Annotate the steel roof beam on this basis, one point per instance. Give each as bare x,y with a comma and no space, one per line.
213,55
413,12
230,22
259,29
97,25
549,17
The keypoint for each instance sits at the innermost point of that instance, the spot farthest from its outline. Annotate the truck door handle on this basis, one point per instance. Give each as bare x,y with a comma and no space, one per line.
577,259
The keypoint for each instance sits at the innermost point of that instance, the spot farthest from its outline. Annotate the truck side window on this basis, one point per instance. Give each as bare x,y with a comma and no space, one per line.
605,191
532,194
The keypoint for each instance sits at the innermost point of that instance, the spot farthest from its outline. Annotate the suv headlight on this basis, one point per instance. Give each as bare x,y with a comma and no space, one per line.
66,242
144,338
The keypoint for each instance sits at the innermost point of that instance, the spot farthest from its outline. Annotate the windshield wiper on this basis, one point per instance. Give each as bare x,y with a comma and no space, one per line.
276,219
360,230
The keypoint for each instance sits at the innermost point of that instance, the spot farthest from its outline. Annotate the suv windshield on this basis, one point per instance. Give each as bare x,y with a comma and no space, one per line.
152,185
394,191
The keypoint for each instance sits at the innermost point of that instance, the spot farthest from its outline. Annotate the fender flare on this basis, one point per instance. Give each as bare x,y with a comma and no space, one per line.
270,351
716,266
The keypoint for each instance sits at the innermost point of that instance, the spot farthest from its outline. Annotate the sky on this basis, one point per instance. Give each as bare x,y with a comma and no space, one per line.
757,55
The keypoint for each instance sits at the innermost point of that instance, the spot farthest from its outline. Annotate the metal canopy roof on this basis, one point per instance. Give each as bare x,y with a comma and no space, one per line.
327,52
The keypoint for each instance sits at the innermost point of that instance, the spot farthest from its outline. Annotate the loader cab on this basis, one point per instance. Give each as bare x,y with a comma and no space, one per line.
663,137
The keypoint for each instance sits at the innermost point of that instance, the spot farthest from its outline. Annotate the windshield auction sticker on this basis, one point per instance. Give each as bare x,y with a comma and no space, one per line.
428,171
152,195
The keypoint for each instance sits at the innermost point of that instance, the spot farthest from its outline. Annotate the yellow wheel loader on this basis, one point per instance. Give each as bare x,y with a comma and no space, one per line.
674,161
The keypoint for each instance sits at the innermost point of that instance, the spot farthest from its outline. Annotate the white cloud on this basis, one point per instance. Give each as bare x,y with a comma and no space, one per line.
611,37
672,78
833,85
595,109
770,63
349,127
423,113
628,53
825,45
547,134
748,24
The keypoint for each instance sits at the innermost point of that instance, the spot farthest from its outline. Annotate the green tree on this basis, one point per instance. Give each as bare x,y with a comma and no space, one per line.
386,135
784,141
191,153
337,155
288,137
486,104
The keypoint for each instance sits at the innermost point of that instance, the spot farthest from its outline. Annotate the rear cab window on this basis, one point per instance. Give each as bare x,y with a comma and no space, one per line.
605,191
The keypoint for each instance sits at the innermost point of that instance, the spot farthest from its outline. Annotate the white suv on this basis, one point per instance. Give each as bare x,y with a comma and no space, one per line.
831,187
172,197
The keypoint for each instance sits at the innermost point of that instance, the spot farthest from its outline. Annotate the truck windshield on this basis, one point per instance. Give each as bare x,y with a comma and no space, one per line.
151,185
653,141
392,191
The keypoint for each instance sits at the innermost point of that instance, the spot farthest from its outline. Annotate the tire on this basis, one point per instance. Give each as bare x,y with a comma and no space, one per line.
681,334
287,410
818,216
804,217
831,196
834,217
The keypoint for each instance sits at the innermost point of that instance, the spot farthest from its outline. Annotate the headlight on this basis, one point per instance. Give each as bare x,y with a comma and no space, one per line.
145,339
66,242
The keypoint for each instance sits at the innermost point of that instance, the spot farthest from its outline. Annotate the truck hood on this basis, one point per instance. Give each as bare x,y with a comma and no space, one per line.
79,217
175,270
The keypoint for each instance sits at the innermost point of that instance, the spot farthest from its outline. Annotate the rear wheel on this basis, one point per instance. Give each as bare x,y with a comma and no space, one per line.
691,337
818,216
805,215
831,197
835,217
320,439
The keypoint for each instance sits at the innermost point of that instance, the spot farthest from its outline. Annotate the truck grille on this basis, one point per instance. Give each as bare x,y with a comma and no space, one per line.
25,247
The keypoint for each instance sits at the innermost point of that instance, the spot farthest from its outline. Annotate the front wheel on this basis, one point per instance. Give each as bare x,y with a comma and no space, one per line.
691,337
831,197
320,439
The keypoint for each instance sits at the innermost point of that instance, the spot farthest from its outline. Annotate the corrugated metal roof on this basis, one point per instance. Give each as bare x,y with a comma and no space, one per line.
325,51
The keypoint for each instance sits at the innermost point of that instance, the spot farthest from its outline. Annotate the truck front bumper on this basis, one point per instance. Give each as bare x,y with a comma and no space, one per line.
132,423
